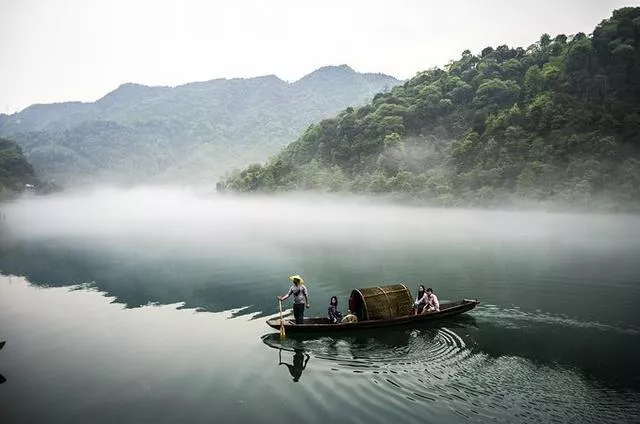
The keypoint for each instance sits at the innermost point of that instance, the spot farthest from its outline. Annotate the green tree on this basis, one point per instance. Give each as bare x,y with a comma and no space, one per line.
556,122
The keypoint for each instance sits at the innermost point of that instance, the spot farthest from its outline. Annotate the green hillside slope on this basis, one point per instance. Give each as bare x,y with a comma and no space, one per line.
15,171
557,122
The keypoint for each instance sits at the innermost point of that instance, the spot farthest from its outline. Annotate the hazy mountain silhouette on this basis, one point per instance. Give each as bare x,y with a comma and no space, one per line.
195,131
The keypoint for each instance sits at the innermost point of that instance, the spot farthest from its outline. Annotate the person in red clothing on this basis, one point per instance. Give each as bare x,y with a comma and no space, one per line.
352,304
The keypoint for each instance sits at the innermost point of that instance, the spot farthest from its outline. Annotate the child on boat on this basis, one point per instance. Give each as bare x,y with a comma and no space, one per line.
334,314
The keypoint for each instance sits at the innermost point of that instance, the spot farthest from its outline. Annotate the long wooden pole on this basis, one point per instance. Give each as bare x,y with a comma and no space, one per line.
282,335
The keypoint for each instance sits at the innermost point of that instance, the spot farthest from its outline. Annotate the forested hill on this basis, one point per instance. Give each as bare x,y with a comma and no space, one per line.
192,132
15,171
556,122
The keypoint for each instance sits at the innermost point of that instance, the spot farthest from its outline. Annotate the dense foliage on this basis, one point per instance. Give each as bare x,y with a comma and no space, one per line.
191,132
556,122
15,171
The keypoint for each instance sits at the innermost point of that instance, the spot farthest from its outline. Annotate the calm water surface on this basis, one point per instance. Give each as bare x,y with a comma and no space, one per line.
149,305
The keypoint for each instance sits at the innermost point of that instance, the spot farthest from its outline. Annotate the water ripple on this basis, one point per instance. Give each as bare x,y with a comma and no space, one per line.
438,368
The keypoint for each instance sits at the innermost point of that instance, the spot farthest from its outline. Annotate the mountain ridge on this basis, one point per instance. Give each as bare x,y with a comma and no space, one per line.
206,124
557,123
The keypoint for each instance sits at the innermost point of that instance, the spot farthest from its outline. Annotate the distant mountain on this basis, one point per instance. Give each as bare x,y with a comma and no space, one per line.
554,125
193,132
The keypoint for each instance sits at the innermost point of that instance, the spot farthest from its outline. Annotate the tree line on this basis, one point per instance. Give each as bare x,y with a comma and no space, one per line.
557,123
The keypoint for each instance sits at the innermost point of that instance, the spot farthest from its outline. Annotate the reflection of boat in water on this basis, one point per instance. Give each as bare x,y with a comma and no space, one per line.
377,307
378,350
2,379
319,345
388,338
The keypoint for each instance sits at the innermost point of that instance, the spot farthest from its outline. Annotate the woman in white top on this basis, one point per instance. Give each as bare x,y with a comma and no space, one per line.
432,301
300,298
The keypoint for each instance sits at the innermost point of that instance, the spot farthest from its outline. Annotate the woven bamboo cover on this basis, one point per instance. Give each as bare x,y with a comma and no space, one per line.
384,302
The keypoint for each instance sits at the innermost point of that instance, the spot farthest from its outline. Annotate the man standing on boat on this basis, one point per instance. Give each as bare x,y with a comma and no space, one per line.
300,297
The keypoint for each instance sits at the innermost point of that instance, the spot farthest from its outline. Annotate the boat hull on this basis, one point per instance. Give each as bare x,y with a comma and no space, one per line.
322,325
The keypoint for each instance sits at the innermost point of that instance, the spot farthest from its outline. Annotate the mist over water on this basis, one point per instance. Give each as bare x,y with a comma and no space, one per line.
555,337
183,216
162,232
176,215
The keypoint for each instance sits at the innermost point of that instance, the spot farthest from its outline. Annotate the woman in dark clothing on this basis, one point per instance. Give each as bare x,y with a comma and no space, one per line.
421,301
334,314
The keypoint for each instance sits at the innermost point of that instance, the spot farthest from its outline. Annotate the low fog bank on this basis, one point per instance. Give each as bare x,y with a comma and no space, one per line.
182,215
170,244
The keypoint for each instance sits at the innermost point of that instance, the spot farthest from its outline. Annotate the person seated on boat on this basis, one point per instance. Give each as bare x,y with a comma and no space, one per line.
352,304
334,314
432,301
355,309
421,301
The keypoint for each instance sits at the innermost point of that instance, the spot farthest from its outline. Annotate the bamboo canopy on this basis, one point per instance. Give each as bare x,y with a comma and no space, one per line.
382,302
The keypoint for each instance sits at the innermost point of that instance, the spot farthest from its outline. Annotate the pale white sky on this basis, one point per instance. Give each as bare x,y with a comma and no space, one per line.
63,50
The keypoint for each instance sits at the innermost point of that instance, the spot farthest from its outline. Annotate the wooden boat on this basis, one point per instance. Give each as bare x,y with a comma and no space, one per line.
381,306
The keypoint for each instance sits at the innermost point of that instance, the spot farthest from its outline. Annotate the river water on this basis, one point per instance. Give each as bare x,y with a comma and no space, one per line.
150,305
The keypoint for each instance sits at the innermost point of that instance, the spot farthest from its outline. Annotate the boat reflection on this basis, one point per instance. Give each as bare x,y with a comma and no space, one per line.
2,379
397,337
368,350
